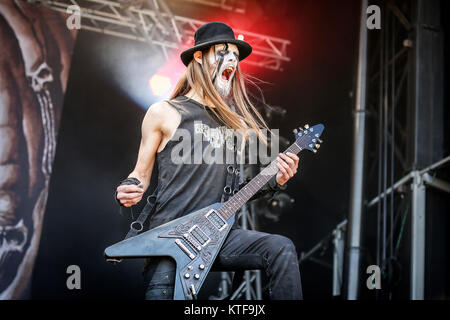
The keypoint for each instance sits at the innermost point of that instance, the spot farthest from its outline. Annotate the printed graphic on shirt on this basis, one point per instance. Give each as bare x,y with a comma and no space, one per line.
215,136
222,146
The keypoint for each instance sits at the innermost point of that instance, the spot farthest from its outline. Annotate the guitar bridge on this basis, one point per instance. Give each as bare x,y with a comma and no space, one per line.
184,249
196,238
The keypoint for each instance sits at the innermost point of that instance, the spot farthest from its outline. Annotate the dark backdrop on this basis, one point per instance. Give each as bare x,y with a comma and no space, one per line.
100,134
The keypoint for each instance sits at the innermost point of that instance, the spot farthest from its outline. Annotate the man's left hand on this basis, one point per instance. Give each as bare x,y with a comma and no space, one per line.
287,165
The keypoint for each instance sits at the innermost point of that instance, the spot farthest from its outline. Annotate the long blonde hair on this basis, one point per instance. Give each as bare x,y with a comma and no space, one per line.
245,118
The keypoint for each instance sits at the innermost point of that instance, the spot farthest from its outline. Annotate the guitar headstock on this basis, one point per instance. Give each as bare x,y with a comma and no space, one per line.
308,137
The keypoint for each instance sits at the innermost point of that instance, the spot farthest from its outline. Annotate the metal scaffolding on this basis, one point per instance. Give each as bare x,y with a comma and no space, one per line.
230,5
336,238
356,196
152,21
404,129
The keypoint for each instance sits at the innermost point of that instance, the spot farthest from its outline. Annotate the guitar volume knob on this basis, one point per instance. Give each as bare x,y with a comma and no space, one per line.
201,267
187,275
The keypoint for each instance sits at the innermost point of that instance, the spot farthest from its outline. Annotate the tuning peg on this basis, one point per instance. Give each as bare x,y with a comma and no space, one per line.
306,126
317,146
295,131
320,141
300,128
314,150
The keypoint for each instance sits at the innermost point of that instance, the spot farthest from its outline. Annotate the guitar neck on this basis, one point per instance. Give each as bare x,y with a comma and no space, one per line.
233,204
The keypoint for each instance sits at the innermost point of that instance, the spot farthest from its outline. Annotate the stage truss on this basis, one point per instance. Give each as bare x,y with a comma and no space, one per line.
403,106
152,21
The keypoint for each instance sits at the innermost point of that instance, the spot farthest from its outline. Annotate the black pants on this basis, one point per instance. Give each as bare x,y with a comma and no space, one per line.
242,250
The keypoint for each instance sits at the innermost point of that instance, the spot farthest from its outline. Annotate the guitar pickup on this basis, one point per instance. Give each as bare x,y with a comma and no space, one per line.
197,233
216,220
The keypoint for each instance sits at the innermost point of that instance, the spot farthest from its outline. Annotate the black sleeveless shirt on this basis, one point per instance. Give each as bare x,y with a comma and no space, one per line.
191,175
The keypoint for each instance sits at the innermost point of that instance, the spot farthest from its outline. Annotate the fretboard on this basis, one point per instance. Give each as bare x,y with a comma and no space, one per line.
233,204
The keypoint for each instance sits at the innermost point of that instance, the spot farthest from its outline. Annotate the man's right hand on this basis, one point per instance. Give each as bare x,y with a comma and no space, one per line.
160,122
130,194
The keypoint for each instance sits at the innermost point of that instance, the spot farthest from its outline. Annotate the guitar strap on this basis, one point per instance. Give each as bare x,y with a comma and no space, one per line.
231,183
137,225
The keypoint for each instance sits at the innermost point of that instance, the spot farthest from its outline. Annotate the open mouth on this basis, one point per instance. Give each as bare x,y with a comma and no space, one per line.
12,239
226,74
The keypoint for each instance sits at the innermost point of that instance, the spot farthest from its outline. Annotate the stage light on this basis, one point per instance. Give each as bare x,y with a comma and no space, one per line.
160,85
241,37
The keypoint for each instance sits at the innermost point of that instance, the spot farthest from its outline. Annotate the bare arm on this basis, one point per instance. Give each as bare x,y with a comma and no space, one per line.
152,136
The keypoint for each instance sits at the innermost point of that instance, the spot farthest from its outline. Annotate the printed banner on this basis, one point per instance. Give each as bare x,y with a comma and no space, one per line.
35,56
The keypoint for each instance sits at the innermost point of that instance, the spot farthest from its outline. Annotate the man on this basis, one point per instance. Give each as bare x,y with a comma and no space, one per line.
209,99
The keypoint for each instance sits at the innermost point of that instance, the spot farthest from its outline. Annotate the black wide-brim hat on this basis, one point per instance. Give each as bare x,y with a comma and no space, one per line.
214,33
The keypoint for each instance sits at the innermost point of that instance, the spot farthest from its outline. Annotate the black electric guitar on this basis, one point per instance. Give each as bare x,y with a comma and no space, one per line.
194,240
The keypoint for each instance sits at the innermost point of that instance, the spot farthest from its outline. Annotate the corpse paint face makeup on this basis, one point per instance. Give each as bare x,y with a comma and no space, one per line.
225,58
